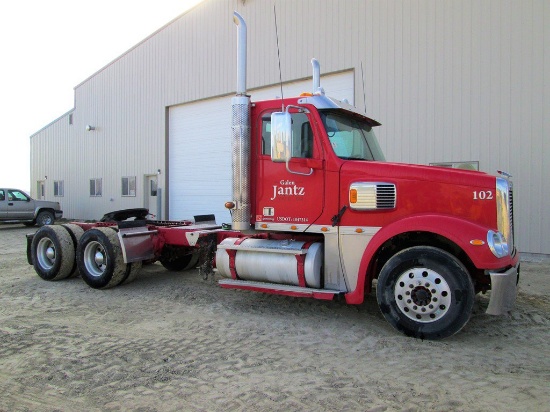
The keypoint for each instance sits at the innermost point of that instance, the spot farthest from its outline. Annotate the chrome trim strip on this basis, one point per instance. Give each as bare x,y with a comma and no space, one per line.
282,227
321,229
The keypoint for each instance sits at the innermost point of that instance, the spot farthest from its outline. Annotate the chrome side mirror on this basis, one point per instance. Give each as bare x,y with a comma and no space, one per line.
281,137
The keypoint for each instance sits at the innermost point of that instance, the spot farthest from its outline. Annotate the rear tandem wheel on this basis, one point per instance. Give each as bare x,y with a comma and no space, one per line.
53,253
99,259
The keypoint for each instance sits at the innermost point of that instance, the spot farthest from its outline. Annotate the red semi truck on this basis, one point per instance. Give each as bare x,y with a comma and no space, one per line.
317,212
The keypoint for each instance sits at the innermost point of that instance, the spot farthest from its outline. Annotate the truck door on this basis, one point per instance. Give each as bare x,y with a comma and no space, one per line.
19,205
294,195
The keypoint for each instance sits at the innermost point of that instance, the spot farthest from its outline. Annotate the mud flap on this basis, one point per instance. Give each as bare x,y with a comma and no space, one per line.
29,237
136,243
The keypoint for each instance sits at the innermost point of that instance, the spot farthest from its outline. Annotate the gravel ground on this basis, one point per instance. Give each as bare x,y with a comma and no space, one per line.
173,341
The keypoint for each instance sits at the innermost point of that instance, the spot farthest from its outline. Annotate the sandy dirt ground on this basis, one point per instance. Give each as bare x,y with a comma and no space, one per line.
175,342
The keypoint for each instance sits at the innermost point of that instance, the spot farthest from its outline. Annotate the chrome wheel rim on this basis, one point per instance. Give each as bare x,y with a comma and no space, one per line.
46,253
422,295
95,259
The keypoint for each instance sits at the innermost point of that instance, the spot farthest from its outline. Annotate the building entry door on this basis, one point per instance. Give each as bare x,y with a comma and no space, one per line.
41,190
151,193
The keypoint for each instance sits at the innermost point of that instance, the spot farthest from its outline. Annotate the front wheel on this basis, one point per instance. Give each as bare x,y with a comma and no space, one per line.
44,218
425,292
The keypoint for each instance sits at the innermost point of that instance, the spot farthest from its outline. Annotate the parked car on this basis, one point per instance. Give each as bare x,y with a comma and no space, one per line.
18,206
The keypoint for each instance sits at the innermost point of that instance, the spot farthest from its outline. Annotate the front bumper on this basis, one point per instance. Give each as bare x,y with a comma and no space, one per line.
503,291
58,214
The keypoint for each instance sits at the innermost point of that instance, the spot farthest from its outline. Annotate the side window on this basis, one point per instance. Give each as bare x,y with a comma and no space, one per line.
17,196
58,188
129,186
95,187
2,195
302,135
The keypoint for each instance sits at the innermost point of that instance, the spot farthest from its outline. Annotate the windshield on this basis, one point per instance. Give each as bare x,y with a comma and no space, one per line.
351,137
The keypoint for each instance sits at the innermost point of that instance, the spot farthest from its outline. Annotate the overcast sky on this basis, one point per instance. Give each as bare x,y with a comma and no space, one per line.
47,48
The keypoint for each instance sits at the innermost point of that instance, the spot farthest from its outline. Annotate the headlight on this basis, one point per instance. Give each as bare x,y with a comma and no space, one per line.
497,243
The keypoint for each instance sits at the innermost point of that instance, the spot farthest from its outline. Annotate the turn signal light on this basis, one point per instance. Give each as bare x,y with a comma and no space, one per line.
353,196
230,205
477,242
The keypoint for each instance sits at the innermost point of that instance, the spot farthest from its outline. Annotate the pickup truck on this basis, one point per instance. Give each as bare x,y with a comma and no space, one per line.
17,206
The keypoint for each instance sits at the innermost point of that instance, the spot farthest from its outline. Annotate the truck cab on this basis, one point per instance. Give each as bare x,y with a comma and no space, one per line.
317,169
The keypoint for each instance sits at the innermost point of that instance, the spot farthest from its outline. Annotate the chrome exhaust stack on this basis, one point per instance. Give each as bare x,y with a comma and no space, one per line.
316,75
240,142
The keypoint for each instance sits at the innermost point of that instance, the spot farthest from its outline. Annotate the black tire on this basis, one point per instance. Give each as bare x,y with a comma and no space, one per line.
132,271
45,217
425,293
75,232
53,253
181,263
99,258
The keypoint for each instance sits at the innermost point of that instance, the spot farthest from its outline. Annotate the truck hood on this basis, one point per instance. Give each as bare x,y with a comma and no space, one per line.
388,172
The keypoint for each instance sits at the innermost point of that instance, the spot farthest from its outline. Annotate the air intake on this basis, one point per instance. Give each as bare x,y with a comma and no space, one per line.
372,196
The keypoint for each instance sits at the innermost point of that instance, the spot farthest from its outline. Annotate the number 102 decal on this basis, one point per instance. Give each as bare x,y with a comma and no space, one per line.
483,195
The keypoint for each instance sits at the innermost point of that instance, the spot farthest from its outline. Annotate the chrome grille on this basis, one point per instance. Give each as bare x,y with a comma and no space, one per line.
385,196
505,210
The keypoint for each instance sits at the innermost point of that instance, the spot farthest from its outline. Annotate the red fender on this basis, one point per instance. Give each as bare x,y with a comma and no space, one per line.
457,230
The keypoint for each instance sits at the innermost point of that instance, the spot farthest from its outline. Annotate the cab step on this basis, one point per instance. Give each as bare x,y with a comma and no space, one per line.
278,289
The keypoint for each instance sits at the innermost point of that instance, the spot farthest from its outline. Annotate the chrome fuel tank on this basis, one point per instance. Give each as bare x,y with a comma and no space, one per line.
273,261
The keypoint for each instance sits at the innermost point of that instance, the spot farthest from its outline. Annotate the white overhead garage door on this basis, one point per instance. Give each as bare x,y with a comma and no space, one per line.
199,147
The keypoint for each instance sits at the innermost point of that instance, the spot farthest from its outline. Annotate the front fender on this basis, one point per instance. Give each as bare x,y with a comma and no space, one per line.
458,231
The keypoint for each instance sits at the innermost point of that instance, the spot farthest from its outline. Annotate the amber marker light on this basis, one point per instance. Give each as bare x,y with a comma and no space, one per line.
293,227
324,229
477,242
359,230
353,196
229,205
263,226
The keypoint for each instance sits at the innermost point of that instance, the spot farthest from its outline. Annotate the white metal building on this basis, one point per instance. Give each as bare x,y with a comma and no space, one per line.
450,81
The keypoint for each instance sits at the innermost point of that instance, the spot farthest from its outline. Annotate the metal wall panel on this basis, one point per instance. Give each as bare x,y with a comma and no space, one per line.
449,80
